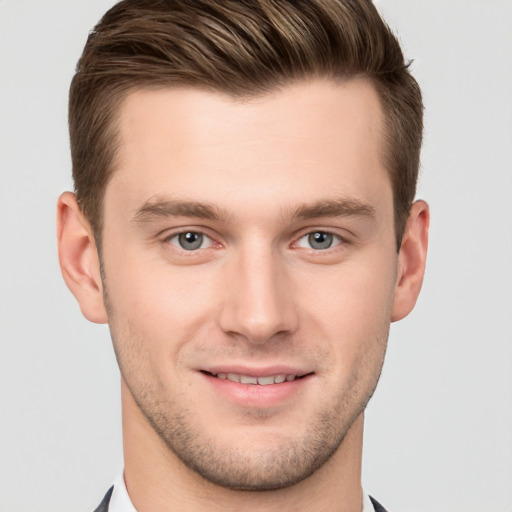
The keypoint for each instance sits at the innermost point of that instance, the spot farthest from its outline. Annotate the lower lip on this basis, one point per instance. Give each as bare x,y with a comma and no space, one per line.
255,395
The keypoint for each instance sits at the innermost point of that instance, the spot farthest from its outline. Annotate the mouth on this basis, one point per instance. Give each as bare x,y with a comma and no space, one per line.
264,380
257,388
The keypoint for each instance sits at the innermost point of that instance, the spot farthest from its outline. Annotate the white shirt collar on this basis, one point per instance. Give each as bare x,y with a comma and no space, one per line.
121,502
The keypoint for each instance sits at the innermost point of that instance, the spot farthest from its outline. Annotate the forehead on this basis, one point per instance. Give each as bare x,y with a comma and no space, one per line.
297,143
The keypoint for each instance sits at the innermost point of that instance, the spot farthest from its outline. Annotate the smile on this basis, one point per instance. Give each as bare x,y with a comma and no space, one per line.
258,388
261,381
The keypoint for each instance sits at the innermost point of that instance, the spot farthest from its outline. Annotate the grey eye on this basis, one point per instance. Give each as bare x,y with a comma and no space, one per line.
190,240
320,240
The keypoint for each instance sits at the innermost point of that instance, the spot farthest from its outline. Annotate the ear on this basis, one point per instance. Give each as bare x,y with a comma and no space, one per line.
78,257
411,261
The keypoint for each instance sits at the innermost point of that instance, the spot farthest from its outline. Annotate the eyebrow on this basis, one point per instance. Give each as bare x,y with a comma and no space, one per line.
161,208
334,208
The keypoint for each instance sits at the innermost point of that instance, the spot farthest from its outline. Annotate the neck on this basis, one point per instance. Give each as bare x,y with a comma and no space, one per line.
157,481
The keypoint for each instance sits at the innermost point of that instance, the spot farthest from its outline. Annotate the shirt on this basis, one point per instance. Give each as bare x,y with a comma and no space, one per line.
121,502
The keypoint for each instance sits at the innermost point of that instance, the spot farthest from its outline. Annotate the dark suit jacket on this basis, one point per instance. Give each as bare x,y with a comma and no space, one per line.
103,507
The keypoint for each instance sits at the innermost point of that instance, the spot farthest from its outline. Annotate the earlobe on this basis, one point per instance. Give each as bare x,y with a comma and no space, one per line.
78,257
411,261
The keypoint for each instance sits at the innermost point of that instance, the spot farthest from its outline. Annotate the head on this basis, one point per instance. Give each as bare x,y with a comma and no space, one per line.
249,170
243,49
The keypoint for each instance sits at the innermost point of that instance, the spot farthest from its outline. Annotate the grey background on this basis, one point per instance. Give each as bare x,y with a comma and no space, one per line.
439,430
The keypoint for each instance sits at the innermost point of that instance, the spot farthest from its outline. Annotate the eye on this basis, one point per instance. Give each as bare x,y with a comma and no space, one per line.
190,240
319,240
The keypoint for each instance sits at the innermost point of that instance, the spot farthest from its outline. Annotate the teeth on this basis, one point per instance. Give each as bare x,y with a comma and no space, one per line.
265,381
245,379
262,381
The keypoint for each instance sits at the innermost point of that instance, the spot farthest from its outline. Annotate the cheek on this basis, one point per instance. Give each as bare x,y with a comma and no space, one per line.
154,291
351,310
155,309
353,296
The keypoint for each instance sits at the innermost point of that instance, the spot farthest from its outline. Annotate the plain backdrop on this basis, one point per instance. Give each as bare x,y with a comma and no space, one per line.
439,429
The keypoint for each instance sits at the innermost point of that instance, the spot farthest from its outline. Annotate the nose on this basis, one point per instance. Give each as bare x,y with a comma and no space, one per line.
258,297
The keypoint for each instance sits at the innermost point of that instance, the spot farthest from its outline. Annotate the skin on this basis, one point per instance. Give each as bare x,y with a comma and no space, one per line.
259,296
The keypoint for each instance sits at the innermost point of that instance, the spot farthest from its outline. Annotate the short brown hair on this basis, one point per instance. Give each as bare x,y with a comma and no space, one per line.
243,48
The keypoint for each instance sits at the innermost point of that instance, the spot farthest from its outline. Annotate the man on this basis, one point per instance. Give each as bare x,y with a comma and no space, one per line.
243,219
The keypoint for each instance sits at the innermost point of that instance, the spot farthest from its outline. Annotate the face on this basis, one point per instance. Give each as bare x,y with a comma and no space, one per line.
249,273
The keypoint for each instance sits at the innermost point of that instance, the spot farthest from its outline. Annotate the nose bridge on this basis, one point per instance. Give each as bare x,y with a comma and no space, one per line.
258,303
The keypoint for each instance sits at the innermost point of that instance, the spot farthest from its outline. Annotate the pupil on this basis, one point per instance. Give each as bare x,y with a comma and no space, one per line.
190,240
320,240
